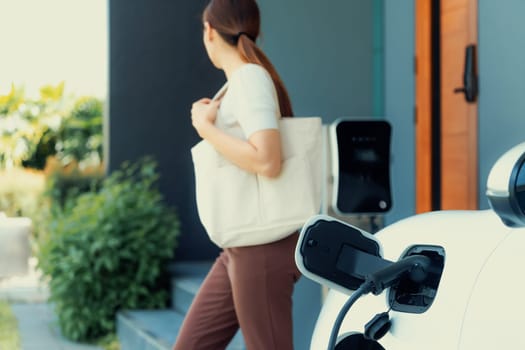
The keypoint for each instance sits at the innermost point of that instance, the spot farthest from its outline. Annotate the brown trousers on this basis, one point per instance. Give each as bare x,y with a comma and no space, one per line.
250,288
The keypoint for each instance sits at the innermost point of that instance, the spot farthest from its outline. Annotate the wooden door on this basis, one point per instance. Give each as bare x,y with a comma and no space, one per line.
459,130
458,175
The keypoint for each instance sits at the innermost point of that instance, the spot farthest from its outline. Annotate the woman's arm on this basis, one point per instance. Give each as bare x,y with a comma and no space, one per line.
260,154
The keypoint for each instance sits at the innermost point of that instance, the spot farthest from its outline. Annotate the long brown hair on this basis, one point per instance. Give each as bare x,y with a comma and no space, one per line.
238,23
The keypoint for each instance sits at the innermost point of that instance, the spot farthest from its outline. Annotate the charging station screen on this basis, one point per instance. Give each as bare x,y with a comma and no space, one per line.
364,166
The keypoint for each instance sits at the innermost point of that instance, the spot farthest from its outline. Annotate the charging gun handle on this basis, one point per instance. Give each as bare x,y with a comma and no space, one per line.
415,265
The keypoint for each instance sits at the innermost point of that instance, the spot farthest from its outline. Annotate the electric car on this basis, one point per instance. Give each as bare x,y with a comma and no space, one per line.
440,280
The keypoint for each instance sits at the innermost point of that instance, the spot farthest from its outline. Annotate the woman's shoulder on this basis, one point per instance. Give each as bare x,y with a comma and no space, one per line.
250,72
252,80
253,68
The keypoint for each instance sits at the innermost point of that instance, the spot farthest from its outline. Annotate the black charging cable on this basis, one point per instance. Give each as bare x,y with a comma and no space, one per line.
414,266
363,289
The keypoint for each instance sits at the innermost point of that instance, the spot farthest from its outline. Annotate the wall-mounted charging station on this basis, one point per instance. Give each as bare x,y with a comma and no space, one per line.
357,188
360,152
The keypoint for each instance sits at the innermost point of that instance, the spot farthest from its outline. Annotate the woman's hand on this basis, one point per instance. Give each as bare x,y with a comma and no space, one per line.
203,114
260,154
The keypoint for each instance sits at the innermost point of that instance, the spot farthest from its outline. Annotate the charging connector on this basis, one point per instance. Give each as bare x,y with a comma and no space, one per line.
415,267
408,295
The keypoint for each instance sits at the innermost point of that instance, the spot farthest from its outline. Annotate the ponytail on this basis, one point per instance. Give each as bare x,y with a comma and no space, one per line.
238,23
253,54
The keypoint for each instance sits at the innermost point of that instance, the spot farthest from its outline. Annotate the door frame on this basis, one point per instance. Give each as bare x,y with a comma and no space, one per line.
427,111
427,105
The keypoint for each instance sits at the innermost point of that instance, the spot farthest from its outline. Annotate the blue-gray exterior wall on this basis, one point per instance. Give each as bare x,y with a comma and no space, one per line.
399,103
502,82
157,68
324,53
328,59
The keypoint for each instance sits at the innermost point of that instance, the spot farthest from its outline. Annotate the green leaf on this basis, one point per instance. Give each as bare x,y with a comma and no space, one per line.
106,251
52,93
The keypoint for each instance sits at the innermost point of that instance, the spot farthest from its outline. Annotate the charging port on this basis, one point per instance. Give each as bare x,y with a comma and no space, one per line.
408,296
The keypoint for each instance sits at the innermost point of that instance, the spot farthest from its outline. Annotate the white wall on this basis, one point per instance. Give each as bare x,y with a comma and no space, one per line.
46,42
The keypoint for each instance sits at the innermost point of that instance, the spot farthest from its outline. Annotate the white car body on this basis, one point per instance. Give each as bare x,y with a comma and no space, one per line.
478,303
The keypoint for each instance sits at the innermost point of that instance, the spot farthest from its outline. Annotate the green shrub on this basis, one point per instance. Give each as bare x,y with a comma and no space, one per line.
109,251
65,184
60,190
80,136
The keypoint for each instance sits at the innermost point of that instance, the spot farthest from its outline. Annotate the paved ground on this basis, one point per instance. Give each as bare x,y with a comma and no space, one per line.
39,330
37,324
26,288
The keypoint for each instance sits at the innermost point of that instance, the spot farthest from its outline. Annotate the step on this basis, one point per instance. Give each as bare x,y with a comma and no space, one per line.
155,330
186,282
148,329
183,290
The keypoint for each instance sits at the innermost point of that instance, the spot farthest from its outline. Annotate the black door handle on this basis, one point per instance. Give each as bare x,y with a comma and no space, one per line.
470,75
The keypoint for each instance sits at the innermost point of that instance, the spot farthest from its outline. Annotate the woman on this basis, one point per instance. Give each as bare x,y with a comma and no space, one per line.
247,287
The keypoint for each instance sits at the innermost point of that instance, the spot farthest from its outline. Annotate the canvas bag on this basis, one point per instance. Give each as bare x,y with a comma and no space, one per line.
238,208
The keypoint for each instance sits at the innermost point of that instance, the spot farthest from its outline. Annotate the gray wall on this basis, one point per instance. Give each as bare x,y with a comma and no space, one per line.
399,103
502,82
158,67
324,53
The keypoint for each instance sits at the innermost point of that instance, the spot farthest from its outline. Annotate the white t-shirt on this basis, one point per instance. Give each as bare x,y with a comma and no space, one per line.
250,103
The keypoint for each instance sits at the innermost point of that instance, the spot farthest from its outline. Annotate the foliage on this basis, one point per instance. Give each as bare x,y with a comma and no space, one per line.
108,251
65,183
81,132
9,337
109,342
62,185
45,148
31,130
24,122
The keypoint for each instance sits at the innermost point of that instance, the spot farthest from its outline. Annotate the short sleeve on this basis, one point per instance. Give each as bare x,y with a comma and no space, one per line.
255,99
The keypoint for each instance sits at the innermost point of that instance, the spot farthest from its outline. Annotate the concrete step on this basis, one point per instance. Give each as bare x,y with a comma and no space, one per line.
183,290
155,330
148,329
188,277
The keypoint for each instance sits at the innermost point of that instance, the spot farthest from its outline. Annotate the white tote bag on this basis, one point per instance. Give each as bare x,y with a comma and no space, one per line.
238,208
